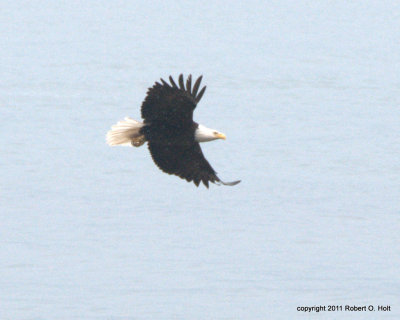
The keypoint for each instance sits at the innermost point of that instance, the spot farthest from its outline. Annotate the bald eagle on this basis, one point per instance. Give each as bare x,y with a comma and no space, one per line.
172,135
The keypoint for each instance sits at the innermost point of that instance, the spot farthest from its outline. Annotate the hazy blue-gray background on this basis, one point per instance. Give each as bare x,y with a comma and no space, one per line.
308,95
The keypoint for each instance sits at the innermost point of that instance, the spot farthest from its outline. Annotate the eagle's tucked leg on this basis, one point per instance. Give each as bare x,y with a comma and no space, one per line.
139,141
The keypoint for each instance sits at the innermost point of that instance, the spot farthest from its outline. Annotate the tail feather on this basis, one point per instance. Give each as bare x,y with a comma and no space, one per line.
125,133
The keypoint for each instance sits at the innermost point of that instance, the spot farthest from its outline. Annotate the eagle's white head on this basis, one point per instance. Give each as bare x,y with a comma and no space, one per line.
204,134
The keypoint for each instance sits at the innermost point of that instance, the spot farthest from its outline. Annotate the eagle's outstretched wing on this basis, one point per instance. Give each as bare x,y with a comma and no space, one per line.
187,162
172,104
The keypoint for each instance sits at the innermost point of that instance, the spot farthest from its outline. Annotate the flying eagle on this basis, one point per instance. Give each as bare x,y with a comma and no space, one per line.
172,135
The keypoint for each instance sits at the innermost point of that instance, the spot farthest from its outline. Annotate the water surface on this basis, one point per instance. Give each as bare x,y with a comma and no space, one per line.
308,95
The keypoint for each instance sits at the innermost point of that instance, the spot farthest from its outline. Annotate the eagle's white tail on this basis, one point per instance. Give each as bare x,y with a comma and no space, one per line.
126,133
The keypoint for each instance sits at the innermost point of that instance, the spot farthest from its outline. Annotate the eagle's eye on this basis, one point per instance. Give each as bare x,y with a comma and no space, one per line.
215,132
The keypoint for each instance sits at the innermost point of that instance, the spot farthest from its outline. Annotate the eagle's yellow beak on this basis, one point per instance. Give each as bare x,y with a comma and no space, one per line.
221,136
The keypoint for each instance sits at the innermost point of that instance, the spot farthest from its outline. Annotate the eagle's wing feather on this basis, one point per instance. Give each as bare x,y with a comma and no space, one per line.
170,104
187,162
